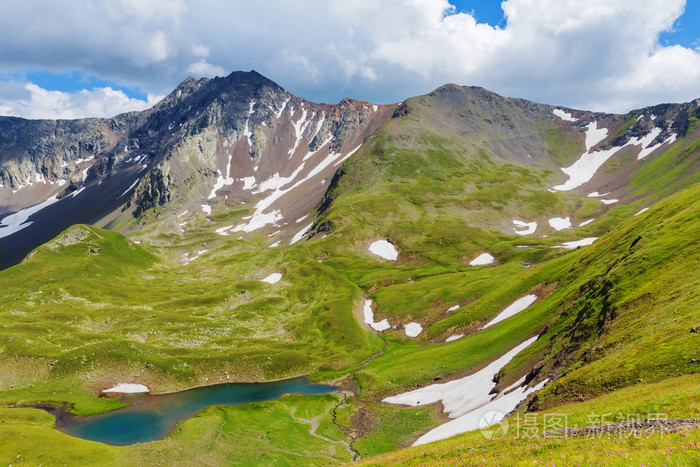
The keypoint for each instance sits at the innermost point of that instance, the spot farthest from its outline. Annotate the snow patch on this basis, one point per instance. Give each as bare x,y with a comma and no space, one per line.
645,141
206,208
482,259
577,243
299,235
453,308
384,249
299,129
284,105
594,135
588,164
529,227
130,187
222,181
465,399
497,408
560,223
222,230
513,309
382,325
609,201
454,337
18,221
413,329
643,210
246,130
586,222
189,260
128,388
260,218
273,278
566,116
248,182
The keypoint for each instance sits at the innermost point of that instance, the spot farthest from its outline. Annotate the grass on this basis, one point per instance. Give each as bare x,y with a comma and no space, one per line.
127,315
443,187
526,444
292,430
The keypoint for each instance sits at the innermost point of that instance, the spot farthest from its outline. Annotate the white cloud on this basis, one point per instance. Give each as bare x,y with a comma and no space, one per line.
204,68
157,49
597,54
97,102
200,51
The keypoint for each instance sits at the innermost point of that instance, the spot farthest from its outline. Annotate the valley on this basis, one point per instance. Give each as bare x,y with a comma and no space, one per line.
454,254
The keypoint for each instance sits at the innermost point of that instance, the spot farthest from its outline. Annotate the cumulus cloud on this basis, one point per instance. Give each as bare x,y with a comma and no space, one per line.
36,102
204,68
599,54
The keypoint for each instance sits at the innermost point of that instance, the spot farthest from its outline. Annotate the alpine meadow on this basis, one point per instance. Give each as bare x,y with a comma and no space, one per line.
237,275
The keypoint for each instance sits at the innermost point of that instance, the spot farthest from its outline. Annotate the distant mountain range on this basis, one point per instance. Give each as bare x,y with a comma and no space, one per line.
217,143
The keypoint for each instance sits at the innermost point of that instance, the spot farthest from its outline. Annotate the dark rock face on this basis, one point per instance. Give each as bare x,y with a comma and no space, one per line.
155,192
211,143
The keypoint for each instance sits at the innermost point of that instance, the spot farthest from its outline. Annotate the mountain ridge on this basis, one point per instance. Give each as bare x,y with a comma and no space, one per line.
539,258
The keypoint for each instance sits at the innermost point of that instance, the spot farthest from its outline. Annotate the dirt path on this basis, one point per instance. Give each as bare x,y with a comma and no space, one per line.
314,422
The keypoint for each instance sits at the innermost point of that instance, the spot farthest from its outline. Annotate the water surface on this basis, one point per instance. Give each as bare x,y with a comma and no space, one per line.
152,417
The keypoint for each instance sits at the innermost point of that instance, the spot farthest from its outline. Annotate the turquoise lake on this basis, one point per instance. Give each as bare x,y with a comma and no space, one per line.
152,417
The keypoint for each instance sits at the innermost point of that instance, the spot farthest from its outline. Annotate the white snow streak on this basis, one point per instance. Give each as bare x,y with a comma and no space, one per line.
128,388
18,221
277,183
284,105
588,164
454,337
299,235
643,210
465,399
127,190
513,309
222,230
577,243
221,181
299,128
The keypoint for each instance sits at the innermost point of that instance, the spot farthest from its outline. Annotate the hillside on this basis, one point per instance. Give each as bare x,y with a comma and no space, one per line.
457,253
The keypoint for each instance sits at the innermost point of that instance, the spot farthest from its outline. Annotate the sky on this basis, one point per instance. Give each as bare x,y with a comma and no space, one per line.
98,58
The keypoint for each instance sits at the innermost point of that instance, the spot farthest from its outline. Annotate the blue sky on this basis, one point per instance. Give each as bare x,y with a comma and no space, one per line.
71,58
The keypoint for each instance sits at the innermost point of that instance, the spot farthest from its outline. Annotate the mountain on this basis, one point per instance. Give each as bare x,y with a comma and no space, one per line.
222,141
455,255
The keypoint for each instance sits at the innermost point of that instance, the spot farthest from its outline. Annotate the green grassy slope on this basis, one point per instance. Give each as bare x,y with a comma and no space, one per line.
525,442
123,314
443,184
